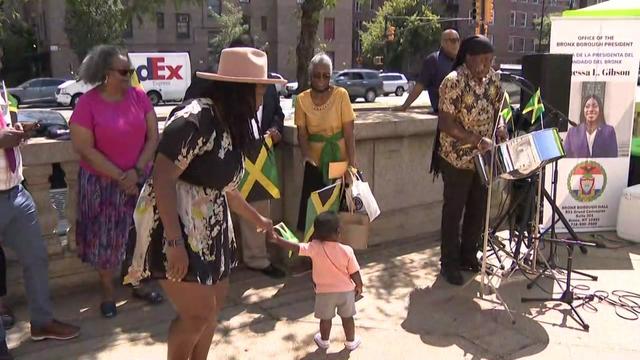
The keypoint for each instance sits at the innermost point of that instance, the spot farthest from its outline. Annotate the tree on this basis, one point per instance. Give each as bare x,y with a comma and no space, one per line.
231,26
416,29
309,21
89,23
543,29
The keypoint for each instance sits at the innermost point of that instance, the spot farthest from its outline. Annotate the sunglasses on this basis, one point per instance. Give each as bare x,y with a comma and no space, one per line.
124,72
321,76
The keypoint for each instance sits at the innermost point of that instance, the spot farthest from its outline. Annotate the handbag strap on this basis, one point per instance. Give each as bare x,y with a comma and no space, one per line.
331,261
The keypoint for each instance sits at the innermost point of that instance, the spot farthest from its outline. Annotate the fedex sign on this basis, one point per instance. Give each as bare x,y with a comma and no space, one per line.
157,69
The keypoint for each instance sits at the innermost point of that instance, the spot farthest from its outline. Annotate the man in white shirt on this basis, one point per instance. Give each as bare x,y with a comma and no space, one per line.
20,231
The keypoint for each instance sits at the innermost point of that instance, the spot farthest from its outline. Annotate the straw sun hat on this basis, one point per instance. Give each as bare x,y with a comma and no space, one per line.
242,65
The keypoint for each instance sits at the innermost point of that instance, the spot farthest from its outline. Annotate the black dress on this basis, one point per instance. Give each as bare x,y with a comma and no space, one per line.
200,144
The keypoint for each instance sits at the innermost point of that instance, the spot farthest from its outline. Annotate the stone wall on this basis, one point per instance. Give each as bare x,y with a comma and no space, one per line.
393,151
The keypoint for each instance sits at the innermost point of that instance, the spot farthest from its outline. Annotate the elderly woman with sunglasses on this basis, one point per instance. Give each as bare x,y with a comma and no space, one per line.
324,118
114,129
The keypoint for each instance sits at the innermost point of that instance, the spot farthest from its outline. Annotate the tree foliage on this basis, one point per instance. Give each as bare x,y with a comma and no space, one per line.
89,23
309,21
416,30
231,26
543,29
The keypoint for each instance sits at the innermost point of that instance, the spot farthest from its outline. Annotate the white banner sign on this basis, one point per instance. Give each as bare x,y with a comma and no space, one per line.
606,55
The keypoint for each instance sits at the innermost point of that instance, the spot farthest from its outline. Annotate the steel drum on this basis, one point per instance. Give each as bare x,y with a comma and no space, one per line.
522,156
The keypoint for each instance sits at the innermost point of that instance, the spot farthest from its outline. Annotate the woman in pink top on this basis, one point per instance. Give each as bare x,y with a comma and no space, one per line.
336,276
114,129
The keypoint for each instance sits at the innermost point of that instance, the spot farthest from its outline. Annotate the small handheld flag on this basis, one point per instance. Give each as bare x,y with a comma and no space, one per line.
535,104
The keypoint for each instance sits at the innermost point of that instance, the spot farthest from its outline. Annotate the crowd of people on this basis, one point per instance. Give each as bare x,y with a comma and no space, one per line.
160,207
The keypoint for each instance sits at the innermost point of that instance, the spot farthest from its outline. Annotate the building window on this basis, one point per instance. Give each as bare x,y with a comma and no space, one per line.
245,1
534,19
332,56
183,26
523,1
512,19
371,5
522,19
128,30
329,28
535,1
358,5
263,23
214,7
516,44
160,20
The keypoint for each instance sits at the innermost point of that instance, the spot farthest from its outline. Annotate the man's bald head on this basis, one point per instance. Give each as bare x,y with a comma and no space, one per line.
450,42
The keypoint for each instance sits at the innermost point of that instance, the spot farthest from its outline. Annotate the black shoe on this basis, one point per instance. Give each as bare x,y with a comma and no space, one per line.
108,309
473,266
271,271
453,277
151,297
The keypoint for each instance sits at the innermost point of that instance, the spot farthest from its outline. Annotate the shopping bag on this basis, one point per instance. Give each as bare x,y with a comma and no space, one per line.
359,197
354,229
286,234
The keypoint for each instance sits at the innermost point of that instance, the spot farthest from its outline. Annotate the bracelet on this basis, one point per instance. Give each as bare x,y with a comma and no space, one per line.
173,242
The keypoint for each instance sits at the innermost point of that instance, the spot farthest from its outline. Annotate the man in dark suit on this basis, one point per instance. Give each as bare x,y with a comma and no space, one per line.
269,121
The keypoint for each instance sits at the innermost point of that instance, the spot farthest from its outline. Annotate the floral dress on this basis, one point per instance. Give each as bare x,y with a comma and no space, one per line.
199,144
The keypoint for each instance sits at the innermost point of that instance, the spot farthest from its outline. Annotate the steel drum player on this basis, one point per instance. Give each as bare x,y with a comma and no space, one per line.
470,98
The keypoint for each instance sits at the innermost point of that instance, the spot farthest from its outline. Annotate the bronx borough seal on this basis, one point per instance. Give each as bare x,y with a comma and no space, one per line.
587,181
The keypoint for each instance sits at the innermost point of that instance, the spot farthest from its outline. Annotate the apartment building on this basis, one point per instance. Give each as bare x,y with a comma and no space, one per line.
513,32
274,23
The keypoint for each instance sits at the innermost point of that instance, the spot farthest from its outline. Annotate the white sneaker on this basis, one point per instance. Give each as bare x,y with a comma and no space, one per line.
352,345
322,344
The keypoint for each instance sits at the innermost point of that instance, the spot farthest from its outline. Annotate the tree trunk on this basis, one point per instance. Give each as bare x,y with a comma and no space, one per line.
309,21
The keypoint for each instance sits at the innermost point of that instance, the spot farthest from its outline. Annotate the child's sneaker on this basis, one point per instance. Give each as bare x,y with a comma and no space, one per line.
322,344
352,345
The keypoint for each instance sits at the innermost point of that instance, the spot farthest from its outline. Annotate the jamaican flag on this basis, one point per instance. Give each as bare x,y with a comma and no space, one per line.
535,105
135,82
506,113
260,181
9,105
323,200
286,234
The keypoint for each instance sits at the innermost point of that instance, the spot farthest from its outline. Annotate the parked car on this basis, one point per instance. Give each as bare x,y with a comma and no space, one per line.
360,83
51,125
394,83
49,121
288,90
36,91
279,87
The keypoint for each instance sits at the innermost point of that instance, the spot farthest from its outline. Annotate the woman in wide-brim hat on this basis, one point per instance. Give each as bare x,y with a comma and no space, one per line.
183,219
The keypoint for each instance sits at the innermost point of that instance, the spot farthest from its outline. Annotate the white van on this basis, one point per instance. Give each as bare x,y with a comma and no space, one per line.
164,77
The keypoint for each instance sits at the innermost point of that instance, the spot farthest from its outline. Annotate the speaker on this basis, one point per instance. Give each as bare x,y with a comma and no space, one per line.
552,74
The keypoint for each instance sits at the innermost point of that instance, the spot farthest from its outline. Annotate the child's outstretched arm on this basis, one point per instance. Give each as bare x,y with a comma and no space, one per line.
358,280
278,240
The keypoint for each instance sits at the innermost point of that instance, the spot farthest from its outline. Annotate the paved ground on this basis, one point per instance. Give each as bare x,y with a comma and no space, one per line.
407,312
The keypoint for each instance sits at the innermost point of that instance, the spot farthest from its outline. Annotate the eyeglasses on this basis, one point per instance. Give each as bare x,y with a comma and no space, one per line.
124,72
321,76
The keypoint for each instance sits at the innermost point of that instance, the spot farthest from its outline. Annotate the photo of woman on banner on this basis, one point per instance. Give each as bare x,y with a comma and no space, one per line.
593,137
